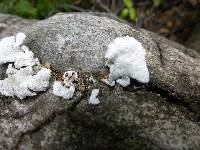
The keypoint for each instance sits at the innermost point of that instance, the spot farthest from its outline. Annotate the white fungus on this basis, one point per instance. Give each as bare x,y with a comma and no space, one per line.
124,81
93,97
126,58
61,90
22,80
12,50
40,81
66,89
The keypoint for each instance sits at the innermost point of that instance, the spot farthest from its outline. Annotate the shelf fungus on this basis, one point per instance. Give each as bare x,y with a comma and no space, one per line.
126,59
22,78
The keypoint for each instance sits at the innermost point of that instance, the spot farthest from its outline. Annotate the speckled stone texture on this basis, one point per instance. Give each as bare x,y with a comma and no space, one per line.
10,25
150,116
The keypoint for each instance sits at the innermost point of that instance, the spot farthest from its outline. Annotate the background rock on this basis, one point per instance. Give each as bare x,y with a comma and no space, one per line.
136,117
10,25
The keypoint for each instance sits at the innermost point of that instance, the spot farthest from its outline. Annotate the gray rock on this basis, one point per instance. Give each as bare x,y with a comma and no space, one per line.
70,38
126,118
10,25
123,120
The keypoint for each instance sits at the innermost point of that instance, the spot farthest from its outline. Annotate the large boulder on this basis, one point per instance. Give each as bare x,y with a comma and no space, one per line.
137,117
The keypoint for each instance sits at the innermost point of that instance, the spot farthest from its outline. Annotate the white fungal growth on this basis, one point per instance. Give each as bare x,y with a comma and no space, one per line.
126,58
12,50
61,90
67,88
93,97
124,81
22,80
40,81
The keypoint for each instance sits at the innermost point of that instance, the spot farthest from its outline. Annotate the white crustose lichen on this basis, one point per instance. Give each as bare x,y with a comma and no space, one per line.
22,80
126,59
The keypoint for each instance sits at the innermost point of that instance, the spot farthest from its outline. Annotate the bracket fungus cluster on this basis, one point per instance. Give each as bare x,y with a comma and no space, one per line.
126,59
25,75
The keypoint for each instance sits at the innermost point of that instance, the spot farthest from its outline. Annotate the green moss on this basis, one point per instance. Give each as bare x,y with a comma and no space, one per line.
39,9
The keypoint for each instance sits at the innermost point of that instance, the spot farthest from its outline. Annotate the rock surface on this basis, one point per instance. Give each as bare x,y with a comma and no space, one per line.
136,117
